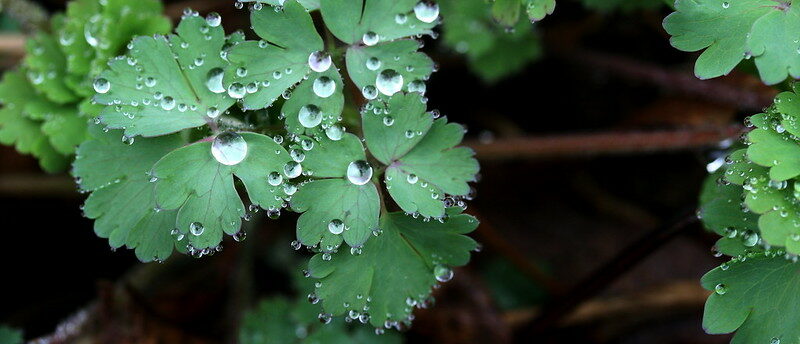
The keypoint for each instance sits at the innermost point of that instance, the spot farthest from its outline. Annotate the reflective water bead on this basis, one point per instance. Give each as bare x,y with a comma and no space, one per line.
213,19
417,86
370,38
324,87
297,155
400,18
426,12
168,103
212,112
373,63
196,228
292,169
412,178
101,85
309,116
369,92
388,121
334,132
274,178
336,226
389,82
359,172
720,289
241,72
319,61
229,148
442,273
236,90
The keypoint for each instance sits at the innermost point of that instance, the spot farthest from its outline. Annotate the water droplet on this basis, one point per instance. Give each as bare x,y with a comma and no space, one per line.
412,178
236,90
196,228
359,172
168,103
720,289
334,132
324,87
240,236
241,72
213,19
274,178
373,63
370,38
442,273
214,80
726,4
336,226
213,112
417,86
309,116
101,85
150,81
400,18
229,148
426,12
292,169
369,92
389,82
388,121
319,61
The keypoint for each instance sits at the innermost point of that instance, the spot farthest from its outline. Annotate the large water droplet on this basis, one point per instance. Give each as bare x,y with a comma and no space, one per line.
370,38
214,80
229,148
389,82
309,116
426,12
369,92
324,87
236,90
319,61
359,172
336,226
292,169
720,289
168,103
442,273
334,132
213,19
417,86
274,178
101,85
196,228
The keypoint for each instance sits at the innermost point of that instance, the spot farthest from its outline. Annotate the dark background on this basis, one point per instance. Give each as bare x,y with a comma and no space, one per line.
589,158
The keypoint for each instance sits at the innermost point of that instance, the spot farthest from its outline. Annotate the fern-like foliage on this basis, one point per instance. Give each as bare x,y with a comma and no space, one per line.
47,100
752,202
194,130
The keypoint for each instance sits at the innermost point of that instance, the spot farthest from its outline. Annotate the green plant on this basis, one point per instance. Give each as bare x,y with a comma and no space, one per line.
182,121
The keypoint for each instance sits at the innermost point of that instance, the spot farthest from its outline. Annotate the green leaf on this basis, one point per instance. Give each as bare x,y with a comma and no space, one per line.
334,197
492,52
365,65
269,67
278,320
160,88
122,201
10,335
351,20
424,164
396,270
315,94
538,9
47,68
199,183
16,126
721,211
756,298
506,12
733,30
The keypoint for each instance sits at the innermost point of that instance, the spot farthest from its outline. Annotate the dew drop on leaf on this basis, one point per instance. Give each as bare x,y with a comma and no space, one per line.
229,148
720,289
101,85
370,38
274,178
196,228
309,116
426,12
400,18
369,92
236,90
319,61
213,19
168,103
214,80
292,169
334,132
389,82
442,273
373,63
324,87
336,226
359,172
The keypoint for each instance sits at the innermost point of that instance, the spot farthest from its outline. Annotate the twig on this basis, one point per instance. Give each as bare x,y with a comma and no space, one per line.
626,259
717,91
569,145
37,185
12,44
30,15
